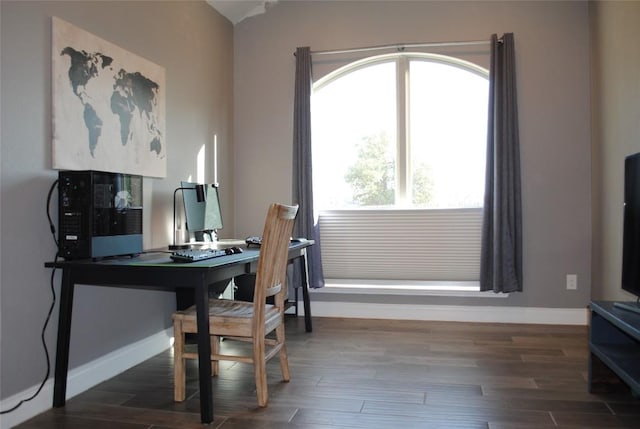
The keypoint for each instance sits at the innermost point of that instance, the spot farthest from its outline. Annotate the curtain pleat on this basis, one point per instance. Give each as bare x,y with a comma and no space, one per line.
306,225
501,251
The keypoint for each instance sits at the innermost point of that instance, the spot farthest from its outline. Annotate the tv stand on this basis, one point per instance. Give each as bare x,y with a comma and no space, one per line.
628,306
614,346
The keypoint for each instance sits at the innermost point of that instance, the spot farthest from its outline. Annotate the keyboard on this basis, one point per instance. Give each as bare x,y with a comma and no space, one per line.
193,255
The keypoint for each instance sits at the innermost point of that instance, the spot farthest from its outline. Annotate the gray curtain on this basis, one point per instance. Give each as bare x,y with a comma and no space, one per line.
501,252
302,172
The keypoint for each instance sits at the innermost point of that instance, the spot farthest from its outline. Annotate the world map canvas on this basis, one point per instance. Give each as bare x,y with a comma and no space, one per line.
108,106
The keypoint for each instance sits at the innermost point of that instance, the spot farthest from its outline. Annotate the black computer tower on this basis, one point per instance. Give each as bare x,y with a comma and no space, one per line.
99,214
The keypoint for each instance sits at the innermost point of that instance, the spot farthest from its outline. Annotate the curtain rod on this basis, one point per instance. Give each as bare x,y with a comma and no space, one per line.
402,46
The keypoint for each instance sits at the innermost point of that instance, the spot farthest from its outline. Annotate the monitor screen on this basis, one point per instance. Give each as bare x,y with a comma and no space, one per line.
201,215
212,212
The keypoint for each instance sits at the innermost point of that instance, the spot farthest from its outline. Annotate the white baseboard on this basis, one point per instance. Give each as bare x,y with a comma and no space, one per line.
84,377
450,313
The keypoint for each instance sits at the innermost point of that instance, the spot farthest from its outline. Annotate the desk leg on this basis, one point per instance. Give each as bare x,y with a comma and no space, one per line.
201,297
305,293
64,336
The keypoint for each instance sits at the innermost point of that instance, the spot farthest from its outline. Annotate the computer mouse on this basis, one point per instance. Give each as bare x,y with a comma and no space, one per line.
236,249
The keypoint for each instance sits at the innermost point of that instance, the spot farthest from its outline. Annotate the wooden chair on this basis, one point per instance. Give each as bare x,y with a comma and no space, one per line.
247,321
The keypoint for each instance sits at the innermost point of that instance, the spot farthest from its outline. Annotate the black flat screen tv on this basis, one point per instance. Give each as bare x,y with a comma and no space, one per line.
631,231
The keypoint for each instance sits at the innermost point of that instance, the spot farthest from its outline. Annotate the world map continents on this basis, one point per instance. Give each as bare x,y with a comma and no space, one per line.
133,96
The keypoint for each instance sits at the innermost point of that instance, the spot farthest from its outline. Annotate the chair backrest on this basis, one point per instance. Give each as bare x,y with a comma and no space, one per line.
274,254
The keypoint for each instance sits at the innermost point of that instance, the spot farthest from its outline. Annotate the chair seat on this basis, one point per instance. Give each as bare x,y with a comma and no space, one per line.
226,308
223,310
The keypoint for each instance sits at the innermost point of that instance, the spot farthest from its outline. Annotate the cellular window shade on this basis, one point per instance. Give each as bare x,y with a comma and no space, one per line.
416,245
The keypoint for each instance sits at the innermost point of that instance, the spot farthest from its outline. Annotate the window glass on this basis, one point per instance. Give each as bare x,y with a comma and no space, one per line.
447,135
354,138
402,130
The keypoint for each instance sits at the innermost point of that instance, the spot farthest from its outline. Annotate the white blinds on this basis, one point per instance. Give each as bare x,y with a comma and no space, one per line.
429,245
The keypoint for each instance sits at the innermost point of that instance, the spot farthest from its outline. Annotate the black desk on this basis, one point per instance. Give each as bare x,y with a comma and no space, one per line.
155,271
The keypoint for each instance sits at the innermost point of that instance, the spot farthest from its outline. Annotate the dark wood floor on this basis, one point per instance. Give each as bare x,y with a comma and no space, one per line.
376,374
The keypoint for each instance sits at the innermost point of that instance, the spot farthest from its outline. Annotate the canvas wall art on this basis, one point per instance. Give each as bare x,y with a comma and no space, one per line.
108,106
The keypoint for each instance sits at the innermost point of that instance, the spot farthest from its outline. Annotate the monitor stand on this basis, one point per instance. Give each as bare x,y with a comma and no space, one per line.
633,307
210,236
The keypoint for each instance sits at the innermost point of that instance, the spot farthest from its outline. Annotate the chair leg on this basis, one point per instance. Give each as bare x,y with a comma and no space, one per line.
178,362
260,371
215,350
284,360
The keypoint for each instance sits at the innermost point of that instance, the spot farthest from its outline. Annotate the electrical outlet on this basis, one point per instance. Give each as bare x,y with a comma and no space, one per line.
572,281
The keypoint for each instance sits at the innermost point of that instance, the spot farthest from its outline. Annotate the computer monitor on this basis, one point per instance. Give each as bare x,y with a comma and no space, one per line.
202,216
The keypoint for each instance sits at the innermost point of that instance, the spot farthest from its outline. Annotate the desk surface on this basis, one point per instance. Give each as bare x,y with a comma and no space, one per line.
161,257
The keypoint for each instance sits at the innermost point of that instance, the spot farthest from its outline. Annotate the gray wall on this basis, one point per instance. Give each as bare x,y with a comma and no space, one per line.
552,51
616,133
194,44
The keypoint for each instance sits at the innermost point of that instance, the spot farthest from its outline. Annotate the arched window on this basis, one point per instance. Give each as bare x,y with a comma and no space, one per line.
396,137
400,130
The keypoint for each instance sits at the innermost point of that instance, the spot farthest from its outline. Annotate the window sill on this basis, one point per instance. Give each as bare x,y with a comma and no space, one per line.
469,289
